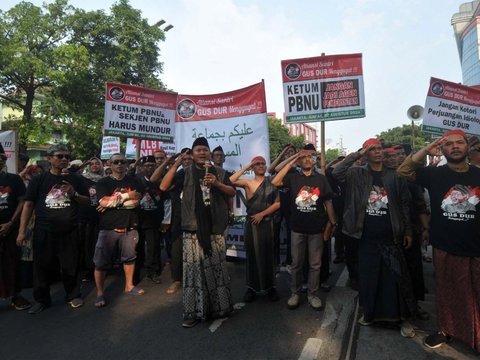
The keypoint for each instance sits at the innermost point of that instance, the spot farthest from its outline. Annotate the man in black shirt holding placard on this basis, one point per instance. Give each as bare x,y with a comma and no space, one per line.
54,195
119,196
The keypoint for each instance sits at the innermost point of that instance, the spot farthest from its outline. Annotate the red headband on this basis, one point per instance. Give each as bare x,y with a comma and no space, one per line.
456,132
258,159
390,150
371,142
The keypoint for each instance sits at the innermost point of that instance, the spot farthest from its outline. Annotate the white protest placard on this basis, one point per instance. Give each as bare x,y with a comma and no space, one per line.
8,140
148,147
451,106
141,113
236,121
110,146
323,88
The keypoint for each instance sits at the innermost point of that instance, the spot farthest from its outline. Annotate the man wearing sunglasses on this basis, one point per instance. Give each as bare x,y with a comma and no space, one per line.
54,195
119,196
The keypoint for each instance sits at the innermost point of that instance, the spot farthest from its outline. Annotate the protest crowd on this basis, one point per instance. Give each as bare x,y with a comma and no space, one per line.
374,209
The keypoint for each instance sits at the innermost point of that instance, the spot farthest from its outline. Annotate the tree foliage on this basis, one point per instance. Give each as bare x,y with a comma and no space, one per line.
331,154
403,135
56,59
279,136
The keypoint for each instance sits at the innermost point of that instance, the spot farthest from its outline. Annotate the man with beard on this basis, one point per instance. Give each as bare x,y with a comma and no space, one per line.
204,217
55,196
311,208
377,205
454,234
262,202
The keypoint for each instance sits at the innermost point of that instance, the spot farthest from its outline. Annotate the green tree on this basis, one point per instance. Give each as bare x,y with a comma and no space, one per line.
331,154
403,135
66,55
279,136
34,54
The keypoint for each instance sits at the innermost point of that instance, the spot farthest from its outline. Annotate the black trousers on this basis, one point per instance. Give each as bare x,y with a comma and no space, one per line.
148,252
88,235
176,261
53,251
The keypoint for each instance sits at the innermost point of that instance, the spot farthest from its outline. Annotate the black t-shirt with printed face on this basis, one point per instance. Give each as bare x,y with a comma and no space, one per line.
455,209
54,210
89,213
11,189
377,217
151,204
307,195
123,216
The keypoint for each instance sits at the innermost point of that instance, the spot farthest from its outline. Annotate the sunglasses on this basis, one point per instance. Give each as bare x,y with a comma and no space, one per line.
118,162
61,156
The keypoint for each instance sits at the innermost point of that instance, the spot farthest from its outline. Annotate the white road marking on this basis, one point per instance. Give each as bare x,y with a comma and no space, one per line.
311,349
343,278
218,322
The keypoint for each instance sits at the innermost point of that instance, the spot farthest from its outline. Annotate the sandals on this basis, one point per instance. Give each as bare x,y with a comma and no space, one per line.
172,289
100,301
135,291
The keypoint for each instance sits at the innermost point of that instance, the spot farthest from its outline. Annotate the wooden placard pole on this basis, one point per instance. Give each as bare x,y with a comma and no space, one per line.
323,162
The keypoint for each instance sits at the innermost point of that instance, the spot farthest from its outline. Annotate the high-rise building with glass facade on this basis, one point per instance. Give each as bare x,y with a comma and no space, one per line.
466,25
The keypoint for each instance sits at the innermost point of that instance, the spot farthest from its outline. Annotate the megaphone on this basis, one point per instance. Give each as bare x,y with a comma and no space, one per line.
415,112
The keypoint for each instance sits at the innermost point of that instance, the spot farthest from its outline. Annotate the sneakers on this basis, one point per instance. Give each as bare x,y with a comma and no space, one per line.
273,295
76,303
249,296
407,330
315,302
362,322
293,301
20,303
36,308
155,278
190,323
436,340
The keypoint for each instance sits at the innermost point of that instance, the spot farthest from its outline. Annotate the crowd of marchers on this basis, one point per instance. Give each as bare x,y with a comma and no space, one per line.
379,206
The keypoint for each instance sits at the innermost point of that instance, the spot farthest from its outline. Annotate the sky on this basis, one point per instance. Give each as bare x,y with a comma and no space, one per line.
222,45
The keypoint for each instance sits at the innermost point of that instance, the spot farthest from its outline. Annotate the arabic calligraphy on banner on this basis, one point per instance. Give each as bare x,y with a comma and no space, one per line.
138,112
236,121
451,106
323,88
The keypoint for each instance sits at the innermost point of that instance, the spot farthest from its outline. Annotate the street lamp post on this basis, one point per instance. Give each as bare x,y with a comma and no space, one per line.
414,113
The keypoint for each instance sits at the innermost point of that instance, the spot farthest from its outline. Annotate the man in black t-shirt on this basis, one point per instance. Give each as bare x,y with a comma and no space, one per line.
310,208
151,216
54,195
454,233
376,214
12,191
119,196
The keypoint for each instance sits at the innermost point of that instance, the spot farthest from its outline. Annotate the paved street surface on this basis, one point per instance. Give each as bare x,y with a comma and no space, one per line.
149,327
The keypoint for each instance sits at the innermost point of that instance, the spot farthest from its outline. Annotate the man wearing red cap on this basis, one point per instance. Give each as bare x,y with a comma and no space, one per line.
376,213
262,202
311,209
454,233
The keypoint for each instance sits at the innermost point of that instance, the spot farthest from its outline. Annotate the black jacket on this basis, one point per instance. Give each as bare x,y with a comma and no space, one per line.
359,182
